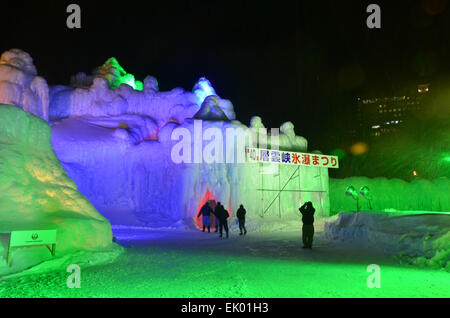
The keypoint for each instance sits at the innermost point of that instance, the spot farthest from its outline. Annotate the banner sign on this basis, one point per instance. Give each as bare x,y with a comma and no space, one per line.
291,158
27,238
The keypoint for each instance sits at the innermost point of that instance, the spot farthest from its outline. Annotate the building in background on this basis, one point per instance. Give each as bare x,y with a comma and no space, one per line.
377,116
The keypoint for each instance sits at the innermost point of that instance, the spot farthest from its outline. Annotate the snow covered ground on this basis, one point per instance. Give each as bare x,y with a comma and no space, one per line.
182,262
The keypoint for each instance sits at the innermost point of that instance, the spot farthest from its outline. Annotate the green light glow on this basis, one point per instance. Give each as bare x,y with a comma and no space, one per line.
445,157
116,75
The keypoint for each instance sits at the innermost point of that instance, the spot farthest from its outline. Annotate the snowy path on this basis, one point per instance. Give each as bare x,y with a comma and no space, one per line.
195,264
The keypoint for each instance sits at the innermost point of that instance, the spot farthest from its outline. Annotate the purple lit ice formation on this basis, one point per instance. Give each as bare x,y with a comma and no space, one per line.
203,89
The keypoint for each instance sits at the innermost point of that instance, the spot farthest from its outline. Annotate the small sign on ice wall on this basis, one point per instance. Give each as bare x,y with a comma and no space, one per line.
291,158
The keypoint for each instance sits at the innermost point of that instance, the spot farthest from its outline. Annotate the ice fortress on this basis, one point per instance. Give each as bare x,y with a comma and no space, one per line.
116,145
112,135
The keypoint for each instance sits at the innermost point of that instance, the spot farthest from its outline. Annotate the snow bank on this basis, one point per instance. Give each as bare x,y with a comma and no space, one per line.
421,239
420,194
20,85
35,193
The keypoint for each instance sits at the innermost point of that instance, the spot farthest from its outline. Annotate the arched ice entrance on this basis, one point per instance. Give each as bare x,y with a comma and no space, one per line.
207,197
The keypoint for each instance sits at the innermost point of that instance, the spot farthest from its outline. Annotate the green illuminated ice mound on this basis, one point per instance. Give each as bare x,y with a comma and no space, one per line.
116,75
37,194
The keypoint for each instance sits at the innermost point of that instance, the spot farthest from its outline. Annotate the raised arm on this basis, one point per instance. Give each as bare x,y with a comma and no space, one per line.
302,208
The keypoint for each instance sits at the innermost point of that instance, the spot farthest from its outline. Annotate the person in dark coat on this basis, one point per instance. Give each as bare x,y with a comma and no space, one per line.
216,218
241,219
206,212
307,210
223,215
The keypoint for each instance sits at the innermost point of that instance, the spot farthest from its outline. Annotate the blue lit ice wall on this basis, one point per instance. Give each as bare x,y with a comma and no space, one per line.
116,145
139,183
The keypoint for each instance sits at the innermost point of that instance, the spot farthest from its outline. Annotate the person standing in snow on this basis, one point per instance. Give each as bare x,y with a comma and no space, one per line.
218,214
223,215
216,220
241,219
307,210
206,212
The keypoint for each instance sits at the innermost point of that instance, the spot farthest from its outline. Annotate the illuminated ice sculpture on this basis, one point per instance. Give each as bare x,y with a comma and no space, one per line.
115,141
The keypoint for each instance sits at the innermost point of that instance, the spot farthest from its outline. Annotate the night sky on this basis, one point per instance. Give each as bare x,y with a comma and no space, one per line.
304,61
